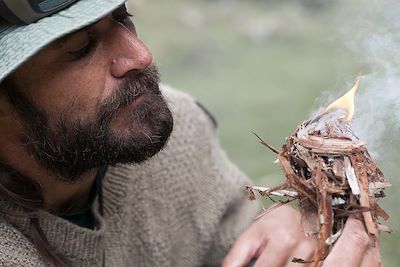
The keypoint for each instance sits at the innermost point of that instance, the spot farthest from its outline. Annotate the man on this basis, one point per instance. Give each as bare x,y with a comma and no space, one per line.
84,178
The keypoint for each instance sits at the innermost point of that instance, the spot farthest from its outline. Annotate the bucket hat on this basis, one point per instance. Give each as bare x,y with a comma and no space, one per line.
19,43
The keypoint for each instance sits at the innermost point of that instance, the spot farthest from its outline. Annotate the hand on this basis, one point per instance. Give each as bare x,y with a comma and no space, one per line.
276,238
273,240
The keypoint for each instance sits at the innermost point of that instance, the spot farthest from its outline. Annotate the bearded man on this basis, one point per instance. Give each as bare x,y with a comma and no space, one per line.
101,166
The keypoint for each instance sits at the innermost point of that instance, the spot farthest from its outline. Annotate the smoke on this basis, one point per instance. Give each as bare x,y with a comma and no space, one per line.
372,32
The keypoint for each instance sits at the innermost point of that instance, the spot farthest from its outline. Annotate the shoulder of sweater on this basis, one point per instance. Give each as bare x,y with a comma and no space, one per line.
174,94
181,103
15,248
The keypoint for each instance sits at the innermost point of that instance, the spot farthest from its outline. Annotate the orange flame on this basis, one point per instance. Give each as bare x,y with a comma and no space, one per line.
346,102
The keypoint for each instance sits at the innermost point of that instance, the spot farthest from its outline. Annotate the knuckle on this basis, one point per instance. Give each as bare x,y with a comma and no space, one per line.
379,262
288,239
359,238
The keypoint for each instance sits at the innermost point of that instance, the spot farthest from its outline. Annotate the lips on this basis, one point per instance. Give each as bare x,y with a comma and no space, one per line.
131,105
137,100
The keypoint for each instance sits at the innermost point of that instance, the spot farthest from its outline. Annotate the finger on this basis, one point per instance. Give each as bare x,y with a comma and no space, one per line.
351,246
373,256
242,252
277,253
305,251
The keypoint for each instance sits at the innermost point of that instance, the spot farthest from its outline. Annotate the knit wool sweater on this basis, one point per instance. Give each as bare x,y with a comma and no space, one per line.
184,207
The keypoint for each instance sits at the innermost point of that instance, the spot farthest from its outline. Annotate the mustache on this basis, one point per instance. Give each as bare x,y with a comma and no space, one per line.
134,85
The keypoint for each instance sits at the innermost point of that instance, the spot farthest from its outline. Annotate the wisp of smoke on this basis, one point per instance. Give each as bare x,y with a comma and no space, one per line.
372,31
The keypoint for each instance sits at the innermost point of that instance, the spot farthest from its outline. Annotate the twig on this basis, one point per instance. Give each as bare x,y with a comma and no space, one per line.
266,144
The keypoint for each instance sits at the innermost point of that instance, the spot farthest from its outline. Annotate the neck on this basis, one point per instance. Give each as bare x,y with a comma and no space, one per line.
64,197
59,196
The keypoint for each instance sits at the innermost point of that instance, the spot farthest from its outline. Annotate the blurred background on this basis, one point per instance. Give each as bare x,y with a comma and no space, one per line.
265,66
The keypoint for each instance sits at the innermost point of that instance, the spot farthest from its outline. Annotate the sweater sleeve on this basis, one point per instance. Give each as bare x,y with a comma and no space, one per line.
236,212
221,208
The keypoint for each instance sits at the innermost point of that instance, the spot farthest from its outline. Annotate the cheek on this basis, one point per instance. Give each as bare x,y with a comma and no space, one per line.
73,91
70,88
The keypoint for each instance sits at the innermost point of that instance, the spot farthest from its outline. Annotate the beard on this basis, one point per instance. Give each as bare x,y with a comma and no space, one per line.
71,147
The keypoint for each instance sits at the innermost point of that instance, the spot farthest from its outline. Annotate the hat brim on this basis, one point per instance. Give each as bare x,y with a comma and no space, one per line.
19,43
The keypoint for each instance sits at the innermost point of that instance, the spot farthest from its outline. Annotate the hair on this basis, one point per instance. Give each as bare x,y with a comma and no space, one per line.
25,194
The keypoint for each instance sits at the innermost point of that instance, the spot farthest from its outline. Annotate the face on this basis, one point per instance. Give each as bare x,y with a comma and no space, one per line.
90,99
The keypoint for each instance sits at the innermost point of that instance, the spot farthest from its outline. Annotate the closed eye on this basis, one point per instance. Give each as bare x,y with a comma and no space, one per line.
84,51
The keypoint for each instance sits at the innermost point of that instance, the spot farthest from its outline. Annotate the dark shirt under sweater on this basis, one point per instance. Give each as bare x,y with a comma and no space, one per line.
84,217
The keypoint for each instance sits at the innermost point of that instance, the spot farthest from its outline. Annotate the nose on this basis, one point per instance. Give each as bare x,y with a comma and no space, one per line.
128,52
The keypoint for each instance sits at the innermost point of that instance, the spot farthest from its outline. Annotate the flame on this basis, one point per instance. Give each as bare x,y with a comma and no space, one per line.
346,102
